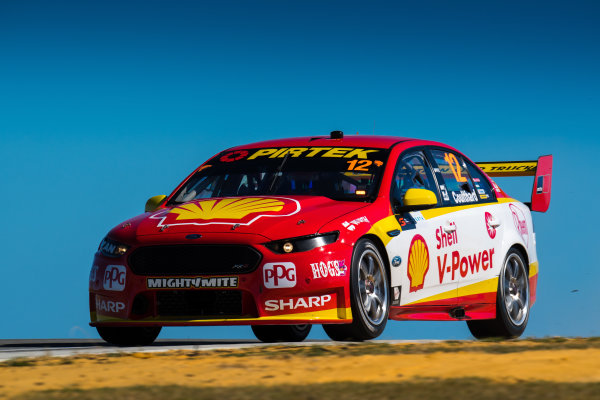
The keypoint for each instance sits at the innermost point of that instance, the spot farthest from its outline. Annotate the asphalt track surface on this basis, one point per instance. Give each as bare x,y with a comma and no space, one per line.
18,348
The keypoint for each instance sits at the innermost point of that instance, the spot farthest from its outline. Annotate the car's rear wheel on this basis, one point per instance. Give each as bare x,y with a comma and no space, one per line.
129,335
369,295
512,302
281,333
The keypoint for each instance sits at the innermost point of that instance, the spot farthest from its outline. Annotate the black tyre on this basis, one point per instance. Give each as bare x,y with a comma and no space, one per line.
281,333
369,295
129,335
512,302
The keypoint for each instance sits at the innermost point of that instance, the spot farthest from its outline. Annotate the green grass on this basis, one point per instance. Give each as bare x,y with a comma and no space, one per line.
18,362
424,389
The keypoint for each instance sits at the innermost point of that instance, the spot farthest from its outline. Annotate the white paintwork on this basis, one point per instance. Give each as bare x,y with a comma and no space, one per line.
471,231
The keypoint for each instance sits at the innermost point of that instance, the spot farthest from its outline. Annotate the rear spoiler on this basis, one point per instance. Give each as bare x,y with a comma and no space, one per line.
541,169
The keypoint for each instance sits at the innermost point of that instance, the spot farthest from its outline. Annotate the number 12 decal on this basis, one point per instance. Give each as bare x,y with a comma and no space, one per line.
454,166
359,165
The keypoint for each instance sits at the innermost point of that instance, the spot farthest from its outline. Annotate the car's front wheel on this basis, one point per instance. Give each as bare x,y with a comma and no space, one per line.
281,333
129,335
369,295
512,302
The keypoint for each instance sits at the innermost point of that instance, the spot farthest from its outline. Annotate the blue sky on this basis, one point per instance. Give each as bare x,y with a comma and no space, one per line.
104,104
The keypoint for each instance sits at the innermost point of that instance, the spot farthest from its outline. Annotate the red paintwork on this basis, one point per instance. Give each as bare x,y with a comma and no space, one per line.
540,201
255,294
475,311
383,142
421,313
485,298
319,214
313,208
533,288
478,306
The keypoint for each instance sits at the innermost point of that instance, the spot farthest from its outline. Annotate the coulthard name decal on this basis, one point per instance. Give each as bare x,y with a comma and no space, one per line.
197,282
464,197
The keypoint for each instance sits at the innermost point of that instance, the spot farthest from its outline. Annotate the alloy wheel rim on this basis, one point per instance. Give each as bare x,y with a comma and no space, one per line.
372,287
515,290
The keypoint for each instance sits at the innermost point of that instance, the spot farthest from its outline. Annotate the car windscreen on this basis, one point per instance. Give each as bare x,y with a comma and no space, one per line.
340,173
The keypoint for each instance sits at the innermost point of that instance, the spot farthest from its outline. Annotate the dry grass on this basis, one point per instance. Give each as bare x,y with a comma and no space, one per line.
448,389
551,368
491,346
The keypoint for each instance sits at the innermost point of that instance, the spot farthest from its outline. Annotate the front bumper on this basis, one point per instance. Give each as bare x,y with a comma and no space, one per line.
295,288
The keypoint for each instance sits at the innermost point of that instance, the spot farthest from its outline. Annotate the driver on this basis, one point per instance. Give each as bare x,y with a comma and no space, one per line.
406,177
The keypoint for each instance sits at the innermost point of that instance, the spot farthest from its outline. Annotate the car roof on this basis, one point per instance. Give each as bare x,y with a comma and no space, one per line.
347,140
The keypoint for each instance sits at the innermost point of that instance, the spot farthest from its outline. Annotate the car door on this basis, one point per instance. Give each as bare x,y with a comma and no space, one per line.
479,285
470,258
414,251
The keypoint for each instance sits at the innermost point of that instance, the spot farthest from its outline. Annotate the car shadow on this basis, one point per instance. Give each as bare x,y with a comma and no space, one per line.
7,344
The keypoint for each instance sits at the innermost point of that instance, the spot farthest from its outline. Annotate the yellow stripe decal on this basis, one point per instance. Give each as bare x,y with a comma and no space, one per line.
331,314
441,296
487,286
383,226
436,212
533,269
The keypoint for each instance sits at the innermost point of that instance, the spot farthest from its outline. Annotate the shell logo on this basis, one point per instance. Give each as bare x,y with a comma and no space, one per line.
418,263
520,222
228,211
490,229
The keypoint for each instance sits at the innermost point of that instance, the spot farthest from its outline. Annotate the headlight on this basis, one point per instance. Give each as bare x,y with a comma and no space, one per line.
112,248
302,243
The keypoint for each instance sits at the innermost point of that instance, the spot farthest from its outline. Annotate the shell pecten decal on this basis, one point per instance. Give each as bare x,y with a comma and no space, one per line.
228,211
418,263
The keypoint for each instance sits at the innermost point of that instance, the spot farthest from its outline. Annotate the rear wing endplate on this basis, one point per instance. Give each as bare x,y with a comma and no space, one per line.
541,169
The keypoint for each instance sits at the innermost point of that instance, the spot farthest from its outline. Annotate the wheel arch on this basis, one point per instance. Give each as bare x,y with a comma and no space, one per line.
523,251
382,252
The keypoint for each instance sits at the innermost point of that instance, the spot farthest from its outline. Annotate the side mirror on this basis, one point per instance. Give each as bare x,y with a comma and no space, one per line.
154,202
419,199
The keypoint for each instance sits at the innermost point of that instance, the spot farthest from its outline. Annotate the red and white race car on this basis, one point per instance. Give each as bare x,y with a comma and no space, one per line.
341,231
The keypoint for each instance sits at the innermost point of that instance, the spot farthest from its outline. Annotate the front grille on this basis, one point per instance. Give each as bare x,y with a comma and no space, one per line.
204,303
194,259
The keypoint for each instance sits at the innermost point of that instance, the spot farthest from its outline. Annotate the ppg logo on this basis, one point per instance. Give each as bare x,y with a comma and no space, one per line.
279,275
114,278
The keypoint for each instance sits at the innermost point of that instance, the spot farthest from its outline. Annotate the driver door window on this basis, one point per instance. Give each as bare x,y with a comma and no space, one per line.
412,171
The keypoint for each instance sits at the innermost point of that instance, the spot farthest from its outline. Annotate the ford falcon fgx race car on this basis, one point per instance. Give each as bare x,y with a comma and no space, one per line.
341,231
